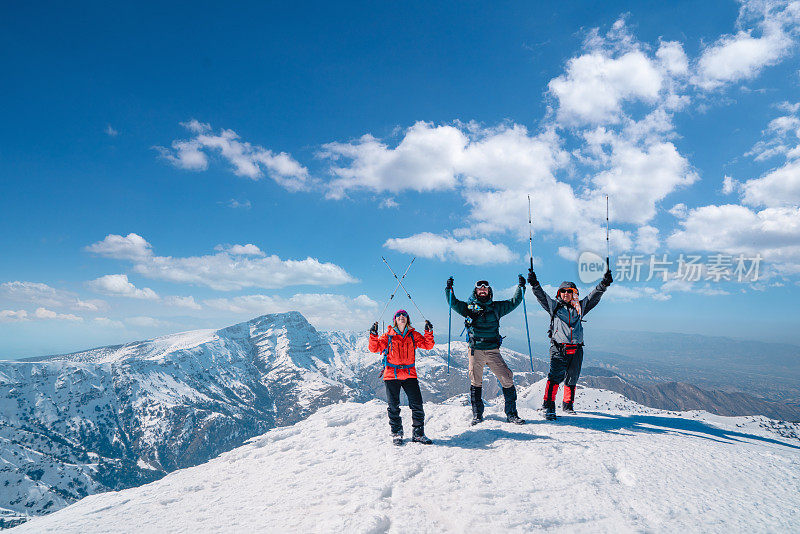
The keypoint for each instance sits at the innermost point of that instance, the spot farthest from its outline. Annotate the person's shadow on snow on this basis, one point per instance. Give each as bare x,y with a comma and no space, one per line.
483,438
654,424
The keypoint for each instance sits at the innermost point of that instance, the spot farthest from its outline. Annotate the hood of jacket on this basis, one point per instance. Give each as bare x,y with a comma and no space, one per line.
566,285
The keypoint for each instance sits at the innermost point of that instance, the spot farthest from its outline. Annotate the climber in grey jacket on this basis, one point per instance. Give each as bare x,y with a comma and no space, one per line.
566,337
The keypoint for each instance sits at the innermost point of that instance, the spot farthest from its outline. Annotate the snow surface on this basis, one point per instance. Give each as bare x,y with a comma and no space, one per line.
617,467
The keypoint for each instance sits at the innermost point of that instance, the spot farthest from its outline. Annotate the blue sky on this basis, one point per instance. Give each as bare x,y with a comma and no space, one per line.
170,167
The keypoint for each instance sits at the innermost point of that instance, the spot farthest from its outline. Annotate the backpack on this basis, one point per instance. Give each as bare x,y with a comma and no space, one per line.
471,339
558,305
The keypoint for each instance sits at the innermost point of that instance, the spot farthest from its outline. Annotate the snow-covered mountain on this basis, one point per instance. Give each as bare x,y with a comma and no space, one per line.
619,467
120,416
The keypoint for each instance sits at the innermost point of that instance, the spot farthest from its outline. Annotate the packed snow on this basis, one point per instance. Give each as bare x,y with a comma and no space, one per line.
616,467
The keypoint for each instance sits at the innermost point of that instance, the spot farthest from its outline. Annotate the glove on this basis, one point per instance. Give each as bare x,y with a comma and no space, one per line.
428,326
374,330
521,281
450,283
607,279
532,277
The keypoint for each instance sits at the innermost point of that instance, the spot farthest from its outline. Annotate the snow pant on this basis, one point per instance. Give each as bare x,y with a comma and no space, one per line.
411,387
565,364
479,358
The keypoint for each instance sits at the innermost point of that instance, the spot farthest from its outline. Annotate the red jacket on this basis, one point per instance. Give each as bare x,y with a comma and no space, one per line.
401,351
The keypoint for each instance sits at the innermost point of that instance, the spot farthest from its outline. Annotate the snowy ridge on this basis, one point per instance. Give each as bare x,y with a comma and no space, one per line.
616,467
120,416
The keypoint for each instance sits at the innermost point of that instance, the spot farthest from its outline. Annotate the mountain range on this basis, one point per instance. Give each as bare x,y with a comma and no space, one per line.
121,416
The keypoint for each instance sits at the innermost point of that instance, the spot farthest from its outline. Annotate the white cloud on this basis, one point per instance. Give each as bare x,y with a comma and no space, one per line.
780,187
679,210
430,158
182,302
622,293
11,316
596,85
39,293
251,161
729,185
324,311
108,323
238,204
110,131
240,250
117,285
616,70
672,57
466,251
774,233
36,292
684,286
222,271
44,313
638,177
131,247
647,239
781,137
424,160
145,322
742,56
389,203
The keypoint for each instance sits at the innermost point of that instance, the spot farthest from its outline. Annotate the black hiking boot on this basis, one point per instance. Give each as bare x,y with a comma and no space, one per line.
550,410
397,438
418,436
568,408
475,394
510,395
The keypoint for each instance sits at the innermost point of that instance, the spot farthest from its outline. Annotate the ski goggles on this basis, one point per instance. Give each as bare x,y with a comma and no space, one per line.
401,312
568,290
482,283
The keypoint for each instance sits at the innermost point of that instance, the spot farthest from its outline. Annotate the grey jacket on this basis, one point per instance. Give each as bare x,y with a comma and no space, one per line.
567,322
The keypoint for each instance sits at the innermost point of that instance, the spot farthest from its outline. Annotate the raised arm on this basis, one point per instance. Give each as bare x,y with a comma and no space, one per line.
592,299
377,344
544,299
459,306
424,342
504,307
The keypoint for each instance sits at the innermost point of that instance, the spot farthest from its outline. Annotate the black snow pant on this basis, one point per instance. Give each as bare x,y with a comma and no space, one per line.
564,366
411,387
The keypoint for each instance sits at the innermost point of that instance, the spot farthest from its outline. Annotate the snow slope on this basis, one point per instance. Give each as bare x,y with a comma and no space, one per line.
617,467
120,416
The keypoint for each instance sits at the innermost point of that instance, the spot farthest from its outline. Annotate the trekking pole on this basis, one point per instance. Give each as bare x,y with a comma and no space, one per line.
396,287
524,307
527,331
404,289
608,246
449,327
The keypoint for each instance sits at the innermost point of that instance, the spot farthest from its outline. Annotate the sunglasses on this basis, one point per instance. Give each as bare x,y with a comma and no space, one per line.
482,283
401,312
573,291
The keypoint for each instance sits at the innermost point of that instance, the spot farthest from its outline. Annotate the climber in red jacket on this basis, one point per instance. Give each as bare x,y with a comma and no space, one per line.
398,345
